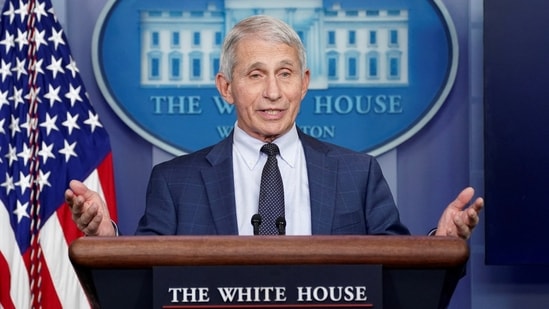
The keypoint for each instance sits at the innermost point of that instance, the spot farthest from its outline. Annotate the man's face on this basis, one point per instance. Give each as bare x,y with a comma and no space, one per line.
267,87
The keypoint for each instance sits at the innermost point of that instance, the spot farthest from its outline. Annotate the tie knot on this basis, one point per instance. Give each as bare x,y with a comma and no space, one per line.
270,149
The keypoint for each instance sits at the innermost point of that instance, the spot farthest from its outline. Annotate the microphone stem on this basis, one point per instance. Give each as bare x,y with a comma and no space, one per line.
281,225
256,222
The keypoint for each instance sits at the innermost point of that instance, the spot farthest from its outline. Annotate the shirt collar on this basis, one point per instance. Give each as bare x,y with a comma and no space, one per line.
249,148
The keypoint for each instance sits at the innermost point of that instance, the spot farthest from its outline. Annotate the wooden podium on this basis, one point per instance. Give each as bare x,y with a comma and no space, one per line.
417,271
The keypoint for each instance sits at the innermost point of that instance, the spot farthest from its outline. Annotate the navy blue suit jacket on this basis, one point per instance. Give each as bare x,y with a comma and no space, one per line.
194,194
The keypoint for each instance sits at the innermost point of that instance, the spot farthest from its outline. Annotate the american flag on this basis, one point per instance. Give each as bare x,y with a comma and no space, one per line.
49,134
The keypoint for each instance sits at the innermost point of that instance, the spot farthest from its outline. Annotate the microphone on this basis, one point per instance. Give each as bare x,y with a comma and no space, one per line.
281,225
256,222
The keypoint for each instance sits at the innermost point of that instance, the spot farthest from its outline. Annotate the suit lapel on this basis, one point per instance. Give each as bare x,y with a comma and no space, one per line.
322,174
219,183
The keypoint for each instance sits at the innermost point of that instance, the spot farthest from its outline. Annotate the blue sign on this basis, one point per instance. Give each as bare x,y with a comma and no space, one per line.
380,70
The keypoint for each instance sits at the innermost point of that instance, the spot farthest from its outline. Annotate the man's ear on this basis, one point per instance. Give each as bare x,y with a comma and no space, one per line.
223,86
305,83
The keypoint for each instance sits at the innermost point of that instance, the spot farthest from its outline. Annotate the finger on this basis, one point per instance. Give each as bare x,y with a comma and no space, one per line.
462,229
472,213
84,218
69,197
77,206
478,204
80,189
93,226
77,186
473,218
463,198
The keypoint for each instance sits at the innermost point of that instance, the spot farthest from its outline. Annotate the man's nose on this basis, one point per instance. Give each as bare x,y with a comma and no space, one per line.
272,89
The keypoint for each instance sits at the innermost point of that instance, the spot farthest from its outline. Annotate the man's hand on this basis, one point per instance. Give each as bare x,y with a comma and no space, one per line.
458,219
89,211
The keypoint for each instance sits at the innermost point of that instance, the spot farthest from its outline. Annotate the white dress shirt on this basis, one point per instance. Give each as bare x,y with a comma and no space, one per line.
248,163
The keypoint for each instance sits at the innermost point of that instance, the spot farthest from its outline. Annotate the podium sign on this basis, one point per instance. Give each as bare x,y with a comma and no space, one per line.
268,286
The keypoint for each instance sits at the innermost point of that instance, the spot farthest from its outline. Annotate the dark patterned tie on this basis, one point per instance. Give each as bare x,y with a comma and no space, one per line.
271,193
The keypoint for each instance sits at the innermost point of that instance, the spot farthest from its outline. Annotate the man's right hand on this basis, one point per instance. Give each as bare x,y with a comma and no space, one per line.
89,211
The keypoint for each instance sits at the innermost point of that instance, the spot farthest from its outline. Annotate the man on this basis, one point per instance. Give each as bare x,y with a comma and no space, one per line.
215,191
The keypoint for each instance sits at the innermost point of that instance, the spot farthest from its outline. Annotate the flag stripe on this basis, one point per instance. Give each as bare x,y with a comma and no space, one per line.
107,185
5,284
14,283
56,254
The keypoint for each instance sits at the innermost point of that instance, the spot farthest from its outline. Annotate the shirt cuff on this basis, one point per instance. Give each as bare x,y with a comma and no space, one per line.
115,226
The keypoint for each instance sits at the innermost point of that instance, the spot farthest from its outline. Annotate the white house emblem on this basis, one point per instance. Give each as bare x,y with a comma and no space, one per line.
380,69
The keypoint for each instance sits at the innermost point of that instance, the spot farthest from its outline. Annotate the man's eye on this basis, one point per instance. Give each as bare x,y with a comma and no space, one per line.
285,74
